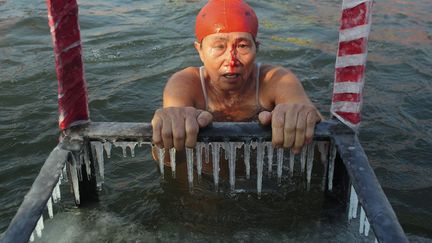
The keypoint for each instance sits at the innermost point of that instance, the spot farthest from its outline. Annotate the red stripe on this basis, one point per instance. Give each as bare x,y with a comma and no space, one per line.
352,47
353,97
350,74
352,17
352,117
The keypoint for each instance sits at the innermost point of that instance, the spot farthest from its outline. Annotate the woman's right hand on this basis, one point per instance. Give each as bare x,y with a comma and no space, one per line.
178,126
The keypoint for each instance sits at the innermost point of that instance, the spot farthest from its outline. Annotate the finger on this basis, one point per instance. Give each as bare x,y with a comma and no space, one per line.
311,120
178,133
265,117
278,125
204,118
167,135
290,128
192,129
300,132
157,127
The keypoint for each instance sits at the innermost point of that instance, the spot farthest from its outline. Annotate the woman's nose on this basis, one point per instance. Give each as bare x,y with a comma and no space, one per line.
232,56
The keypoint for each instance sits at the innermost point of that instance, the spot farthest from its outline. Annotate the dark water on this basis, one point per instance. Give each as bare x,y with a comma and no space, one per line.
132,47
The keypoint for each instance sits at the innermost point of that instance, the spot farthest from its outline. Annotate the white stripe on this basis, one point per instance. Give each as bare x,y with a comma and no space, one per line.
357,32
348,87
346,122
346,106
351,60
352,3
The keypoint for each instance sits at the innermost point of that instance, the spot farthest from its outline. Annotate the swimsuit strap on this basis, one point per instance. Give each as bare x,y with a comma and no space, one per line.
257,87
203,86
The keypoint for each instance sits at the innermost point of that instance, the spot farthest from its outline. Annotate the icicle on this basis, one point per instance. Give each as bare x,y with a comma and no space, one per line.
366,227
207,151
161,153
260,163
77,163
32,237
63,175
376,240
353,204
231,162
123,145
189,159
172,153
100,158
280,158
247,151
39,227
107,146
86,158
303,158
269,158
225,146
56,195
198,153
291,163
310,157
323,149
75,183
50,208
132,146
362,220
331,166
215,161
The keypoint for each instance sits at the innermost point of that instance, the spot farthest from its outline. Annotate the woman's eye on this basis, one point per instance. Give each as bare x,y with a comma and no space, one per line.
243,46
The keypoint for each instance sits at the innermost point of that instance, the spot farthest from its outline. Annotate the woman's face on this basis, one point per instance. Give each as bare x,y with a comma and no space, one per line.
229,58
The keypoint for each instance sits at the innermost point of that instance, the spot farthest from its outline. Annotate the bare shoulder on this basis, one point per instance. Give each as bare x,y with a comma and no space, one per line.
280,85
183,89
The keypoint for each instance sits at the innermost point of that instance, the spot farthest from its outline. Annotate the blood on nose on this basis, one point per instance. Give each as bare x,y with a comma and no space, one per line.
234,60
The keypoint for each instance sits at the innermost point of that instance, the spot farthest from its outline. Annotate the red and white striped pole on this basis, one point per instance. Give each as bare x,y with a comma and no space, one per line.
72,88
351,61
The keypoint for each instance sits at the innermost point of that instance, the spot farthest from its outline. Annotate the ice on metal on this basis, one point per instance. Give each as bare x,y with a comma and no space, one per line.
269,158
207,152
247,152
189,160
131,146
98,147
39,227
161,153
172,153
291,163
331,166
310,158
260,163
215,161
366,227
87,161
198,153
56,195
353,204
122,145
303,159
280,157
232,153
50,208
75,182
107,146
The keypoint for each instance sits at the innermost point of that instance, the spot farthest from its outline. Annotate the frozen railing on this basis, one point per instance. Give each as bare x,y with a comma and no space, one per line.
83,149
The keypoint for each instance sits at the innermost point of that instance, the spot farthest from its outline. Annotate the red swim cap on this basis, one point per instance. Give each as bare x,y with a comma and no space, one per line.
224,16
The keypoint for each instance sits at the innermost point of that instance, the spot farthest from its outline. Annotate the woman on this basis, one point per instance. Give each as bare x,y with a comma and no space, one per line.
231,86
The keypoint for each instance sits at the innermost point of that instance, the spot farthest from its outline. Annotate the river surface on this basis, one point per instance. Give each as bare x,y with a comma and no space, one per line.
132,47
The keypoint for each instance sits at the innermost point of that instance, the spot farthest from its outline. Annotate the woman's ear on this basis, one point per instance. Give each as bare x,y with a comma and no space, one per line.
198,47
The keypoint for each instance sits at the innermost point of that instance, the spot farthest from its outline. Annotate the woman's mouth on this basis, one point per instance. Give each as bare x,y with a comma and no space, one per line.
231,75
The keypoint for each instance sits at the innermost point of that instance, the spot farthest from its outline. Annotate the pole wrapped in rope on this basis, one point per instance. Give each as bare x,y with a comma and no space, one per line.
351,61
72,88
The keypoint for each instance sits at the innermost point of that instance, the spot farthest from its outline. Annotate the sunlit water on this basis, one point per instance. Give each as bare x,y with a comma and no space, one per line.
132,47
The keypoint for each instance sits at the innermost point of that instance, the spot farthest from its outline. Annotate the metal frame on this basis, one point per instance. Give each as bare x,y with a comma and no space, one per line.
371,196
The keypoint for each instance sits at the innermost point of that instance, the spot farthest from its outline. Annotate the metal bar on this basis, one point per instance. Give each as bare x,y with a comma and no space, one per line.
379,212
24,221
217,131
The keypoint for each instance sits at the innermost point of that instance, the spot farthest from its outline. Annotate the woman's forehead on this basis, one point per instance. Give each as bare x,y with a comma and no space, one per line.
229,36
